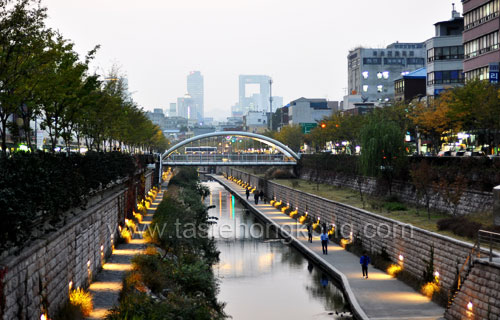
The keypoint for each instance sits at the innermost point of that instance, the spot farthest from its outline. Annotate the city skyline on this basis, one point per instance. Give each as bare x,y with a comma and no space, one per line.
303,47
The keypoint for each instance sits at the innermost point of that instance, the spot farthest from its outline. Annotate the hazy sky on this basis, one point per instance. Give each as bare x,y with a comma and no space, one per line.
301,44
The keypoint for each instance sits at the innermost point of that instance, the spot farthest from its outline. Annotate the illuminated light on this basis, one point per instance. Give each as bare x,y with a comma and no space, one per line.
70,285
117,267
379,75
393,270
436,274
365,88
380,88
23,147
429,289
401,258
106,286
43,317
88,264
469,306
102,248
323,125
385,74
365,74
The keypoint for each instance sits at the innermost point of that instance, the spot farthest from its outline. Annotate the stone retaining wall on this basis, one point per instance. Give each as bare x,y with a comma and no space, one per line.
376,232
39,278
471,201
482,290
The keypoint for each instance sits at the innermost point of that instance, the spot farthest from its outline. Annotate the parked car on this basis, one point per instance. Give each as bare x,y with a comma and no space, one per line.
444,154
474,154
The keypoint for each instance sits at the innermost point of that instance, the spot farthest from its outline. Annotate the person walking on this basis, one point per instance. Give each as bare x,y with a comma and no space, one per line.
309,232
247,193
324,242
364,261
256,196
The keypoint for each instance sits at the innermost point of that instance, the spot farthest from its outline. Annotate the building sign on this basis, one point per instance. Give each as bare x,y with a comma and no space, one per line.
307,127
494,73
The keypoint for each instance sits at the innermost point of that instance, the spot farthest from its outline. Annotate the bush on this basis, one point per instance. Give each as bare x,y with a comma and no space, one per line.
460,226
394,206
82,300
36,189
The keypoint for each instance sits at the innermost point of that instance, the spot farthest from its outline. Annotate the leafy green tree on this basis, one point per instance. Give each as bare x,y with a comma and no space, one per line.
292,136
382,149
22,43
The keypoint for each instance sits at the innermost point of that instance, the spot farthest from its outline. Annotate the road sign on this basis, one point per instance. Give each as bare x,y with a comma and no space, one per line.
494,72
307,127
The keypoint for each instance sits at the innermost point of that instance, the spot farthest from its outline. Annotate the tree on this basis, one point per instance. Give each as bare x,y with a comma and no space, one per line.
422,177
292,136
382,149
22,43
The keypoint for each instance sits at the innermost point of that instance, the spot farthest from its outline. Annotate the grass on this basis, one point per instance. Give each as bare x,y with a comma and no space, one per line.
408,214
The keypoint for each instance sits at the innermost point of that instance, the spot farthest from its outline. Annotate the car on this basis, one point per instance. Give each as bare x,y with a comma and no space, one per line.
444,154
474,154
459,153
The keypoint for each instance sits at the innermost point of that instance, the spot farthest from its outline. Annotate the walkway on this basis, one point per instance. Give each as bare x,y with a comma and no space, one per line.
381,297
107,285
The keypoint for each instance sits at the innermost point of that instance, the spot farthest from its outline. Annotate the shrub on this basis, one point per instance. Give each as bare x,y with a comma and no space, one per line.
460,226
394,206
82,300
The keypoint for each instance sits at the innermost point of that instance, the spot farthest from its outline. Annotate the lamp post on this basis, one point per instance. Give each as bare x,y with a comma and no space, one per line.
270,105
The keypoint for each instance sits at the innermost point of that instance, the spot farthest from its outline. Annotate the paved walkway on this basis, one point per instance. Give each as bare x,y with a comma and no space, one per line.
381,297
107,285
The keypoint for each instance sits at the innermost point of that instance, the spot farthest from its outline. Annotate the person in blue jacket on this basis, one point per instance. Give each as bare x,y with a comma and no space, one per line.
324,242
364,261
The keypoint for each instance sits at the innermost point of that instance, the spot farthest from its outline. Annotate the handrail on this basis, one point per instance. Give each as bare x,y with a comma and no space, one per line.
493,238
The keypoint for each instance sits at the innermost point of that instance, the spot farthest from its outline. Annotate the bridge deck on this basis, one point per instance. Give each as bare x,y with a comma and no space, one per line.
379,297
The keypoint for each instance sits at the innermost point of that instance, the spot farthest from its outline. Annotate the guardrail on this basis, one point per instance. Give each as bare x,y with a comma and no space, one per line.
233,157
490,239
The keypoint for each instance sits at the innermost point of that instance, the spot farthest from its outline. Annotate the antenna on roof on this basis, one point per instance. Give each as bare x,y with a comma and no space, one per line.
453,4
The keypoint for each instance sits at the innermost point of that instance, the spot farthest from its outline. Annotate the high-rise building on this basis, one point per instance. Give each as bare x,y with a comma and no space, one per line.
372,71
172,110
256,101
445,55
480,39
186,107
196,91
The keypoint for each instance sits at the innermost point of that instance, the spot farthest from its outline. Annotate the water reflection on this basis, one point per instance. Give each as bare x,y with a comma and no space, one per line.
262,278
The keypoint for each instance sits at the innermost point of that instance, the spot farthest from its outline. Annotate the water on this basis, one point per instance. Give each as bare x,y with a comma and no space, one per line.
260,277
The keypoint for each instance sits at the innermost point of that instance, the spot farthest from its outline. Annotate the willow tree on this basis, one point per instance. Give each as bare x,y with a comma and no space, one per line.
383,151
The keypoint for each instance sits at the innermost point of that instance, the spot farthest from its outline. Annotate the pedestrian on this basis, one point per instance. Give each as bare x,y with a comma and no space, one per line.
256,196
247,193
324,242
261,195
364,261
309,232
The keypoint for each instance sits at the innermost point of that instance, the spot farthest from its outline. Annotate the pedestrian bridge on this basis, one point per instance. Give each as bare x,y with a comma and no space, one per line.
230,148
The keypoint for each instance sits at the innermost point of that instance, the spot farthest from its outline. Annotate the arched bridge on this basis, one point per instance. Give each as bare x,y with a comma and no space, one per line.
229,148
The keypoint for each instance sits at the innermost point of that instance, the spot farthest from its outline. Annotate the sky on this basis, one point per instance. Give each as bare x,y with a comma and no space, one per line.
301,44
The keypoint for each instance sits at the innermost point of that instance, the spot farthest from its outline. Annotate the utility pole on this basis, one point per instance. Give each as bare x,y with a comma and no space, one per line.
270,104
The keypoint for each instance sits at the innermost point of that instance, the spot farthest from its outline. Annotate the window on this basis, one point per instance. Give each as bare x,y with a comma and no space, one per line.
389,53
412,53
385,74
445,77
415,61
481,45
404,53
445,53
396,54
365,88
382,53
374,53
400,61
365,74
380,88
480,73
481,14
372,61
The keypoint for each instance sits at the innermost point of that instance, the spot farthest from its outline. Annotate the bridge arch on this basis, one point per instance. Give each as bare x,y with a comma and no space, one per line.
261,138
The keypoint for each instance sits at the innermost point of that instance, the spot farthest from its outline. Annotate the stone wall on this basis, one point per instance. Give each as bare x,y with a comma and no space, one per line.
481,289
40,277
471,201
375,231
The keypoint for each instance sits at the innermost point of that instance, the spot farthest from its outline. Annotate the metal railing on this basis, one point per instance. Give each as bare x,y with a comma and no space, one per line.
229,158
490,240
